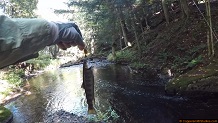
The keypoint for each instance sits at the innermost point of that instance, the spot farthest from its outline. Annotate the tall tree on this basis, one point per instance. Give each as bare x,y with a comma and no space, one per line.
210,42
184,8
166,13
54,51
133,20
123,26
105,19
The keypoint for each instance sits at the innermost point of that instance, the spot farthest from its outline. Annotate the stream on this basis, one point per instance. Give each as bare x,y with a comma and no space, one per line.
57,96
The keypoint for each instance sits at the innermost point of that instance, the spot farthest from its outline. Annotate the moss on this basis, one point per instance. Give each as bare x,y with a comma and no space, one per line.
4,114
181,83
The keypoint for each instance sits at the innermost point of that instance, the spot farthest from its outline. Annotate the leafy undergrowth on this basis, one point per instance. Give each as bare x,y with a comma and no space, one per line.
181,83
42,61
123,56
15,77
4,114
182,47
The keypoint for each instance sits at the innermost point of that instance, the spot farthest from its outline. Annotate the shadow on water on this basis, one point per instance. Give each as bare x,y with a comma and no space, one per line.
135,99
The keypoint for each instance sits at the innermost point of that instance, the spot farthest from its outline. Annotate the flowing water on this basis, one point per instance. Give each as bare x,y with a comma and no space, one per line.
135,99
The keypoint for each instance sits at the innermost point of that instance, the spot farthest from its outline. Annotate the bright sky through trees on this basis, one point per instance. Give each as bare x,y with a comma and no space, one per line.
46,9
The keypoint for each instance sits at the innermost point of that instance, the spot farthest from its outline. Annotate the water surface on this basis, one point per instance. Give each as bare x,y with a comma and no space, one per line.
135,99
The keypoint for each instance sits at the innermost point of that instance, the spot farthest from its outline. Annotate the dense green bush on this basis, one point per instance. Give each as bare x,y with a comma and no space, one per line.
15,76
41,62
4,114
194,62
123,56
138,65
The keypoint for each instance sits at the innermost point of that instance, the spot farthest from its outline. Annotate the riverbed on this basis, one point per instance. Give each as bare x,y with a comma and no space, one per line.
57,96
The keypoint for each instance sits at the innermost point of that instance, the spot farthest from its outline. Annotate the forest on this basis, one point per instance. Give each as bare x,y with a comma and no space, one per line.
175,38
171,40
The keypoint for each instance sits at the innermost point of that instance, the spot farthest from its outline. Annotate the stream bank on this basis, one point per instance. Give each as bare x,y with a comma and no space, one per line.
181,48
199,82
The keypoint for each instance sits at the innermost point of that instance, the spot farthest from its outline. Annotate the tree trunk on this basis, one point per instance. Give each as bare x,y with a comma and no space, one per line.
184,8
123,27
210,42
136,35
142,30
166,12
120,38
113,50
54,51
124,32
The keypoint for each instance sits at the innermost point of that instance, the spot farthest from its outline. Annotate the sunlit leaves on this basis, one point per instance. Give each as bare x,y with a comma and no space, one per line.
19,8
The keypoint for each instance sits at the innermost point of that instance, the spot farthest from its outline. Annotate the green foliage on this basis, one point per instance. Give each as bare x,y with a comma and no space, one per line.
181,82
6,92
110,57
19,8
126,55
195,61
14,76
101,20
42,61
138,65
109,116
162,57
196,48
4,114
24,8
181,60
186,59
123,56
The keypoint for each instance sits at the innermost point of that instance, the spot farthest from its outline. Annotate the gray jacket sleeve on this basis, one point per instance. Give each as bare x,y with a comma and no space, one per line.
71,35
20,38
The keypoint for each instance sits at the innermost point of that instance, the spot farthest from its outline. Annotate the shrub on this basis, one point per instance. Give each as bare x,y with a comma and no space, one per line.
123,56
41,62
138,65
4,114
15,76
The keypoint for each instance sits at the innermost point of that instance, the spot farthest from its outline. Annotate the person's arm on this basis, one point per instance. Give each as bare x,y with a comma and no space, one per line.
20,38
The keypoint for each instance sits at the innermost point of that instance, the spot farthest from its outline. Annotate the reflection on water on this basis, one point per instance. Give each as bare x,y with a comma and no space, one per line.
134,99
51,92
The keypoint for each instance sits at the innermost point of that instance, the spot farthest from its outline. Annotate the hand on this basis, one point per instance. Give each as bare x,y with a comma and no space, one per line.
64,45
